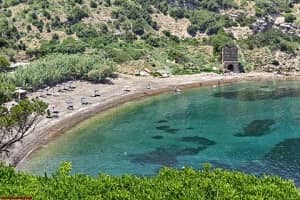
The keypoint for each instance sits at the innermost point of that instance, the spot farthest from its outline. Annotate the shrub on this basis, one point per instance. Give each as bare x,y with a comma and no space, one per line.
167,33
76,15
274,39
177,13
68,46
84,31
289,18
117,55
93,4
178,56
275,62
4,64
168,184
138,28
192,30
220,40
99,75
6,91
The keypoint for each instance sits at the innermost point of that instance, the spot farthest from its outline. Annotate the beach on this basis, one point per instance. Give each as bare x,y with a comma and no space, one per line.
120,90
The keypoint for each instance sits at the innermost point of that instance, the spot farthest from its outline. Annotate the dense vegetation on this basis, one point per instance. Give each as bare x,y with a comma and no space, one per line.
168,184
40,28
56,68
273,39
6,91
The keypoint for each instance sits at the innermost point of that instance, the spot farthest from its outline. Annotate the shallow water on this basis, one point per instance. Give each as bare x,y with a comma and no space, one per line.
253,127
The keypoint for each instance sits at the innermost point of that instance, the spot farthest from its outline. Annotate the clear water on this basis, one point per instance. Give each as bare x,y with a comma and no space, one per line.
252,127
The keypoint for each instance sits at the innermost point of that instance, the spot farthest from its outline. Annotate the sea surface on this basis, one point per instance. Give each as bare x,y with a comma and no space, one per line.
252,127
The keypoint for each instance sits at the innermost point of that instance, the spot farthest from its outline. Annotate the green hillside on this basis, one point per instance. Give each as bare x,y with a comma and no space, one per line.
123,30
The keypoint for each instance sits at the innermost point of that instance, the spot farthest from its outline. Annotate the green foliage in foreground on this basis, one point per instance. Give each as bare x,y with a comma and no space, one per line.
168,184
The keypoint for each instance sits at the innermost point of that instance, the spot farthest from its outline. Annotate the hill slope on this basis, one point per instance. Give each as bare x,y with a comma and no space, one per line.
129,32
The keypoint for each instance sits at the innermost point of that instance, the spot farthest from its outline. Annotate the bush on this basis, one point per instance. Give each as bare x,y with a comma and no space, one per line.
208,22
153,41
177,13
4,64
117,55
216,5
68,46
84,31
99,75
192,30
168,184
289,18
274,39
93,4
138,28
6,91
167,33
76,15
264,7
275,62
3,43
178,56
220,40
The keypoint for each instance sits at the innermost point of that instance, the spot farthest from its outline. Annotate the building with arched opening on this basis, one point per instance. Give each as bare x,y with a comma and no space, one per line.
230,59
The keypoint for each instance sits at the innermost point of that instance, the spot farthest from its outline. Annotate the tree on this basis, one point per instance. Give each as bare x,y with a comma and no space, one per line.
178,13
220,40
18,122
4,64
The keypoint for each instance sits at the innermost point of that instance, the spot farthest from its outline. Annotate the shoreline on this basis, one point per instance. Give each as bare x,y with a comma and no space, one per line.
48,129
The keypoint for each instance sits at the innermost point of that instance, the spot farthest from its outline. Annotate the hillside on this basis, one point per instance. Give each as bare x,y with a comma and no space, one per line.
177,36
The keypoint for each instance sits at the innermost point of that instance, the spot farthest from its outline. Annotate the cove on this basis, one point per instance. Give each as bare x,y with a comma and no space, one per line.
253,127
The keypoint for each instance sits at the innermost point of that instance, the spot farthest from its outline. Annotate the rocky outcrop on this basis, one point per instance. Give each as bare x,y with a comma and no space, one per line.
277,62
283,63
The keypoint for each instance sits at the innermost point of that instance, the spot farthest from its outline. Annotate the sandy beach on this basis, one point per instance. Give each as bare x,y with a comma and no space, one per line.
122,89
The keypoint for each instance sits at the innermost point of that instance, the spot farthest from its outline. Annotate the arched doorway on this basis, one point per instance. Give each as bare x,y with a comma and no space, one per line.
230,67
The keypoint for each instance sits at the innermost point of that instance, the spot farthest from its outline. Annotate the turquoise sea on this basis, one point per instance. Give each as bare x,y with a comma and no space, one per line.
253,127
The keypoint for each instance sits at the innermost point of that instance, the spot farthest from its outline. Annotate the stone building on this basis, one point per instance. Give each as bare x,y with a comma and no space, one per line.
230,59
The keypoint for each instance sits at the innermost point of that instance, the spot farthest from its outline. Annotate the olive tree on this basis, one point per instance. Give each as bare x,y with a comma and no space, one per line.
18,122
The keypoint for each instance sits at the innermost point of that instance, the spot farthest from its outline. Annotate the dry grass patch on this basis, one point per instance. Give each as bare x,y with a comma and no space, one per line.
176,27
103,14
131,66
239,32
297,13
